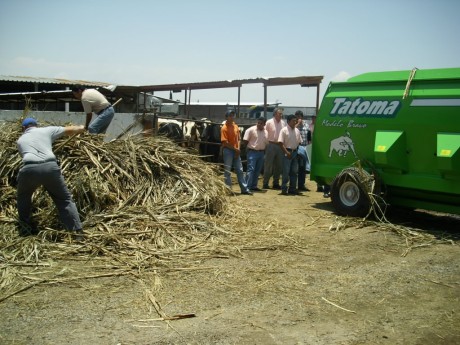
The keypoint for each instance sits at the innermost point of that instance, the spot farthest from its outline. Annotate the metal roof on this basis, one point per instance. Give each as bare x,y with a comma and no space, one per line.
130,90
49,89
51,81
278,81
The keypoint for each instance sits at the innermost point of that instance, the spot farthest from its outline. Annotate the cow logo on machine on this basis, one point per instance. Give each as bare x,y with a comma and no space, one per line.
342,145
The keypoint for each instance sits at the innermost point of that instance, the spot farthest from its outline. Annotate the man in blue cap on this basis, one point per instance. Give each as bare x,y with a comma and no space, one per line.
230,139
40,168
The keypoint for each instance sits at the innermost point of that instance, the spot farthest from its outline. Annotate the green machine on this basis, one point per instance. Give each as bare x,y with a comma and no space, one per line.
391,136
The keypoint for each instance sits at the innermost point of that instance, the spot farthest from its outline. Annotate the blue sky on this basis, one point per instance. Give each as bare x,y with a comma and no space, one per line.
142,42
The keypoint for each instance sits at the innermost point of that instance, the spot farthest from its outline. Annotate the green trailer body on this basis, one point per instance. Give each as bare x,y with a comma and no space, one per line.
402,126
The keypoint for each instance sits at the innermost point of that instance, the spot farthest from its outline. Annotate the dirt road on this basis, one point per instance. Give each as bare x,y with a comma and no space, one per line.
299,275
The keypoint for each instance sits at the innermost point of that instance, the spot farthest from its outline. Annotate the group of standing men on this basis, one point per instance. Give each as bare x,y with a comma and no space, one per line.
276,145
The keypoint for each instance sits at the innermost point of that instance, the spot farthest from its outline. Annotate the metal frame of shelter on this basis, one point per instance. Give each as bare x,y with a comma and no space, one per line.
303,81
129,90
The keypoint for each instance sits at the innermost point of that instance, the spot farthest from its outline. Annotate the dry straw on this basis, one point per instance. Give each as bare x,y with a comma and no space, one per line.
147,206
144,202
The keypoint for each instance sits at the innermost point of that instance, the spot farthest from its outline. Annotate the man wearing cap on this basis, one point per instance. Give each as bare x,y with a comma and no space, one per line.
289,141
40,168
256,140
230,139
94,101
273,164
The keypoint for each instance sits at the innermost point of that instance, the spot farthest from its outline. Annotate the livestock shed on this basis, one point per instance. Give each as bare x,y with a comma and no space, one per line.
53,99
302,81
51,94
249,111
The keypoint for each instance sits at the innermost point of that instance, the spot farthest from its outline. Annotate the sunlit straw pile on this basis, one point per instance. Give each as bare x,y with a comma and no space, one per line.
141,199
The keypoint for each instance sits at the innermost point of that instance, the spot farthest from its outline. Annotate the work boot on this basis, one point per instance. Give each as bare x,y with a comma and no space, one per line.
294,192
78,235
27,230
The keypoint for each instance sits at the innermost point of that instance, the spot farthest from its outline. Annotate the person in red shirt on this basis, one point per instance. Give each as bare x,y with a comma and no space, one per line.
230,139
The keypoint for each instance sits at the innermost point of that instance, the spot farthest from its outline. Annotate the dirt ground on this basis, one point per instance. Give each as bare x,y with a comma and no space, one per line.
328,281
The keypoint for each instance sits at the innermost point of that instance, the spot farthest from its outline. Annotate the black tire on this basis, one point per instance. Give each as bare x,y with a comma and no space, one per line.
349,192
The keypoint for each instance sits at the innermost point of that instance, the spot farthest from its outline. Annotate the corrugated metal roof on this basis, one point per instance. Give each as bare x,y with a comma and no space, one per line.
302,80
128,90
51,81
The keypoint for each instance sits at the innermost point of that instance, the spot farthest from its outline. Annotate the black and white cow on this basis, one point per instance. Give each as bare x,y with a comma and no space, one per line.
210,142
171,129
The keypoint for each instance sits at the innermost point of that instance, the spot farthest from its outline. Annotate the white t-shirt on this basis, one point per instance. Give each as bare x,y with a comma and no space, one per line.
257,140
290,137
93,101
273,128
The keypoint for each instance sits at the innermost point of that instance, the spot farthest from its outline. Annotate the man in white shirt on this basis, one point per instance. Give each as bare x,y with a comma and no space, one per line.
273,164
94,102
256,140
289,140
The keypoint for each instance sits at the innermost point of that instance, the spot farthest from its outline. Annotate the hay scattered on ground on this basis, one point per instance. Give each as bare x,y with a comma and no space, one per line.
371,185
146,204
143,201
132,187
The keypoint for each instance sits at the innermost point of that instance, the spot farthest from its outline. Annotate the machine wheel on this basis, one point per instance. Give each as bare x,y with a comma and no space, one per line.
349,192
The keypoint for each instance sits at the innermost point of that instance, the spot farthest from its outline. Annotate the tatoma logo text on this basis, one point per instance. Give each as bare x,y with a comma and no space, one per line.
360,107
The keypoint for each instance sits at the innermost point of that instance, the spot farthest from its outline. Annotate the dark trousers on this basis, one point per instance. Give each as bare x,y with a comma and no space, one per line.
49,176
302,174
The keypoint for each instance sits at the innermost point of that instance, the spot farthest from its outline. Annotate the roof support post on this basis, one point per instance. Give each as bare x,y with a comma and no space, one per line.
239,96
317,99
185,103
265,100
188,108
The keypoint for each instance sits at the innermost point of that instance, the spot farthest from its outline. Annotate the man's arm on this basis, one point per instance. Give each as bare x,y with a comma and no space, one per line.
283,148
281,144
71,130
89,116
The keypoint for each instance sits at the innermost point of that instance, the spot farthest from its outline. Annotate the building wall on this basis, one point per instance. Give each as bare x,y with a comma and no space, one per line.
119,123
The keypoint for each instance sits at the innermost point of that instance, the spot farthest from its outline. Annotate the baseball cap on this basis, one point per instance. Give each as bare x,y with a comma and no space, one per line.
229,112
29,121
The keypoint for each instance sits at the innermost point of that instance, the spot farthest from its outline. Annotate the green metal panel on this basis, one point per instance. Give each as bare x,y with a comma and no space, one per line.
448,153
390,150
406,138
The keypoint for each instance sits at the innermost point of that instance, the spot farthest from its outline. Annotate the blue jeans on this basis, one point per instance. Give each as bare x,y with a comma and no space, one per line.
290,170
102,121
302,167
231,161
255,163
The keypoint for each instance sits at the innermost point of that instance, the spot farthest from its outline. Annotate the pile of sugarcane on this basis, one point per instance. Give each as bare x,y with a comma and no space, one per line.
141,197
